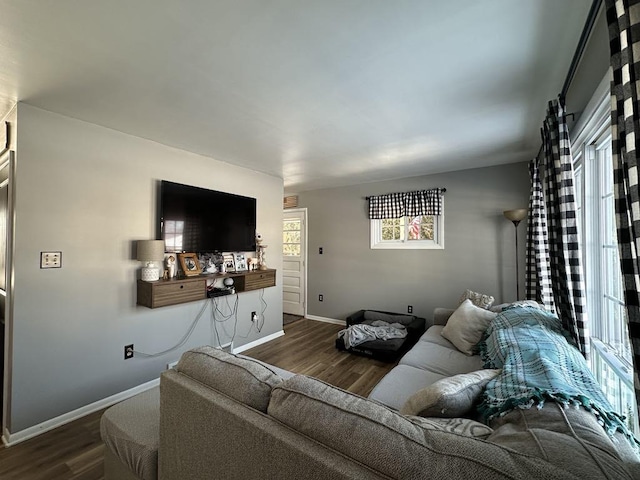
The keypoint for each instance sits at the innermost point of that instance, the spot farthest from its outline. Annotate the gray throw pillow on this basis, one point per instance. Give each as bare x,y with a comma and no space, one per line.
460,426
466,325
450,397
478,299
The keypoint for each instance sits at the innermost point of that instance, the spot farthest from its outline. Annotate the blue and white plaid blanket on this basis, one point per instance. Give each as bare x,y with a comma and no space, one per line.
539,364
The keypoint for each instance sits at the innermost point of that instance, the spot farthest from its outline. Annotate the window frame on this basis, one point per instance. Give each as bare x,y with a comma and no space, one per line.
377,243
593,138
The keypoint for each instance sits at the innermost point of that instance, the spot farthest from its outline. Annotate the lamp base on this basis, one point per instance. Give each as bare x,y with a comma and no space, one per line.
150,273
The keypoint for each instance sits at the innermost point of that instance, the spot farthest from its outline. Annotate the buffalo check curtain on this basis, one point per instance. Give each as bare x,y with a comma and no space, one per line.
623,17
538,276
554,267
406,204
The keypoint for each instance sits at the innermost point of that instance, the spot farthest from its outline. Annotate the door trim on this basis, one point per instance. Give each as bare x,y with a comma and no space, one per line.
305,260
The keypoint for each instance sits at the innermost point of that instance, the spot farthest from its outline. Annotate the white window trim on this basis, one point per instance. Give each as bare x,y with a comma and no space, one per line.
378,244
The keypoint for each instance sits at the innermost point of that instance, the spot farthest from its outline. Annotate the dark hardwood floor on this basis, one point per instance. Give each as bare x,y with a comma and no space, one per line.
75,451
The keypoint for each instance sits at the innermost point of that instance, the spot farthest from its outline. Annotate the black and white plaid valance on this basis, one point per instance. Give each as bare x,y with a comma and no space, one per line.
406,204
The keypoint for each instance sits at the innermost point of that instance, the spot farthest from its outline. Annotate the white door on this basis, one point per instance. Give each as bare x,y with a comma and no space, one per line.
294,256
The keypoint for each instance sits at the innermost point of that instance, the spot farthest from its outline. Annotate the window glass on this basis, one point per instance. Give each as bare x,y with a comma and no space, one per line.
419,232
291,237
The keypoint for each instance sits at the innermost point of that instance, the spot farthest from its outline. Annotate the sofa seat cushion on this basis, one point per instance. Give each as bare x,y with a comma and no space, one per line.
434,335
131,431
241,378
441,360
400,383
567,436
391,444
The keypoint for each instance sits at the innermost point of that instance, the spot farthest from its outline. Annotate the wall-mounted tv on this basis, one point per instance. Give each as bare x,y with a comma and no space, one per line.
193,219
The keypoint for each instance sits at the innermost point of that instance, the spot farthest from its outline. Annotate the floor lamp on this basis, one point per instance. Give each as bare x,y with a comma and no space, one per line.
516,216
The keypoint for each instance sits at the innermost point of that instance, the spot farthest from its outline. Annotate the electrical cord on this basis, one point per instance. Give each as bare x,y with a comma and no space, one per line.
181,342
215,309
233,312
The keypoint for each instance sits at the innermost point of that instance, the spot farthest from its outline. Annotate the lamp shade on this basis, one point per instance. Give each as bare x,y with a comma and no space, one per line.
150,250
516,215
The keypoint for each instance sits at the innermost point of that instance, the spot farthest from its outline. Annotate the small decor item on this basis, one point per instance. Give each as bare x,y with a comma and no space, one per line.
262,264
190,264
228,284
211,266
240,262
227,261
149,252
172,267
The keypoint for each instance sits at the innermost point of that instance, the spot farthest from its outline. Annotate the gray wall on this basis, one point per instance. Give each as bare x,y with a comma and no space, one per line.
90,192
592,68
479,249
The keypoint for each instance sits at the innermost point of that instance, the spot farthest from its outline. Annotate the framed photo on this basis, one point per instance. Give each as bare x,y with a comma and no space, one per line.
229,265
190,264
240,262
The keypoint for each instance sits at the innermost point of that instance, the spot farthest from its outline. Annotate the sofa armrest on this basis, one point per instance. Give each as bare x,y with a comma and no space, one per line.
441,315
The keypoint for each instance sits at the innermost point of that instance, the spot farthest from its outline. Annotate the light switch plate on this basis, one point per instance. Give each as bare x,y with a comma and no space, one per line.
50,259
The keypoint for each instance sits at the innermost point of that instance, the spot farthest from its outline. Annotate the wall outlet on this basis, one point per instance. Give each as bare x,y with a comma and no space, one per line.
410,309
320,250
254,317
321,298
128,351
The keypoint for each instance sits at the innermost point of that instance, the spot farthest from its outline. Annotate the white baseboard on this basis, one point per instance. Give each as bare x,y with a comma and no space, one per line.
10,439
260,341
327,320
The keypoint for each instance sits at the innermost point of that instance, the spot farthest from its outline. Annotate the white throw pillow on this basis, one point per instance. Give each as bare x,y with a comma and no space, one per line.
466,325
478,299
450,397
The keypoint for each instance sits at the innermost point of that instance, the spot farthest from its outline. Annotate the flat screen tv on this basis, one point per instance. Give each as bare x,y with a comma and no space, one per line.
193,219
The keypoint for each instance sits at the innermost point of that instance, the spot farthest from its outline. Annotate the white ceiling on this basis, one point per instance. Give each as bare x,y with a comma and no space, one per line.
319,92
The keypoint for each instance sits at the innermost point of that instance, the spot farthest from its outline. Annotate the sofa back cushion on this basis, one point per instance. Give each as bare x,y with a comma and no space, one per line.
390,443
245,380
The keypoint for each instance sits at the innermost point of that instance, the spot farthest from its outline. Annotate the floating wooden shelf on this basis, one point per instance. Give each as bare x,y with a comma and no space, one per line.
191,289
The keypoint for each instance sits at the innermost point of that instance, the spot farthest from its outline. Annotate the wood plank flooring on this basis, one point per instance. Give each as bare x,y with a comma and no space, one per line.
309,348
75,451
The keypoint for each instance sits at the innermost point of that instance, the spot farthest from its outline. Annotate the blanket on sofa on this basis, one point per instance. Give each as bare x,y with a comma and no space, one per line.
377,330
538,364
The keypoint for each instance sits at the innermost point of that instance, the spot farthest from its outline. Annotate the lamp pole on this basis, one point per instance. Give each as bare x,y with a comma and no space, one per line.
516,216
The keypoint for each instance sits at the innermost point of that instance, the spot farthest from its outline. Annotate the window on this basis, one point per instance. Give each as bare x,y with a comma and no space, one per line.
291,237
611,359
420,232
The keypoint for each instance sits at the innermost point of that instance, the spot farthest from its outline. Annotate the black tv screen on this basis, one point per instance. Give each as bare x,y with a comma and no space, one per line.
193,219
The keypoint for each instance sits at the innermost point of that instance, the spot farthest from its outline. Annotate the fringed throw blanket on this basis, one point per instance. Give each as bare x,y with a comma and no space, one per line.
539,364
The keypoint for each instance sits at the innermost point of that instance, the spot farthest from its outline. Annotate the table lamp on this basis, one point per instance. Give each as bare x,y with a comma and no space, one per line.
150,252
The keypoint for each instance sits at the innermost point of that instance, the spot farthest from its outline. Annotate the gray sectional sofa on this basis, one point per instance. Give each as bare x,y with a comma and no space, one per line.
229,417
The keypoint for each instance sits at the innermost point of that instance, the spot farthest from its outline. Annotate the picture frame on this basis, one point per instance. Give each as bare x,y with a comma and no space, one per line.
240,262
190,264
229,264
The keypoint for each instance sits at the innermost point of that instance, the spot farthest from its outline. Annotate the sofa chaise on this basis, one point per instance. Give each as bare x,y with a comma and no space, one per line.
223,416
